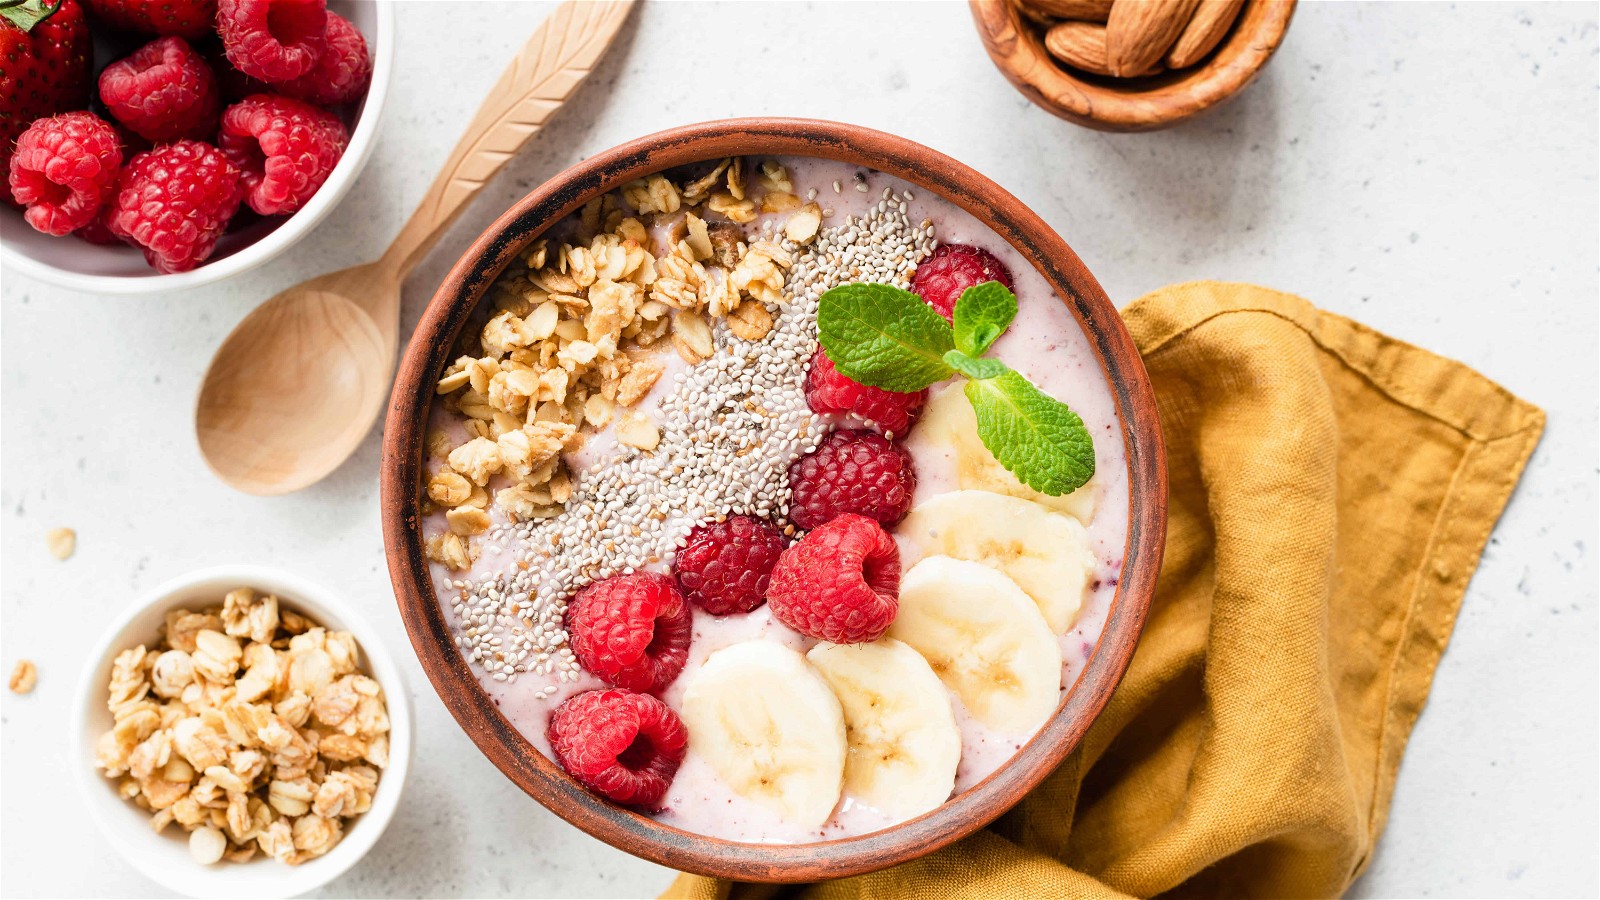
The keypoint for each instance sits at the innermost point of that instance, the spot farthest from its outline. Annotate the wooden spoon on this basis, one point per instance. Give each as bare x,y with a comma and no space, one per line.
295,387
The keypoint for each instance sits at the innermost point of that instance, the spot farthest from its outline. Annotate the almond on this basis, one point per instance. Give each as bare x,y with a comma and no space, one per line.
1082,45
1211,21
1031,13
1076,10
1140,32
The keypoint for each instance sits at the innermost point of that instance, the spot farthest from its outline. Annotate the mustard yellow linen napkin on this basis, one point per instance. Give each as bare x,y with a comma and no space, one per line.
1331,491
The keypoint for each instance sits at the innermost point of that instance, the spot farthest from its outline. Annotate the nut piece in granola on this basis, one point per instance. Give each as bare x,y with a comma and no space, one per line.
691,336
250,727
727,240
206,845
61,542
635,430
803,224
751,321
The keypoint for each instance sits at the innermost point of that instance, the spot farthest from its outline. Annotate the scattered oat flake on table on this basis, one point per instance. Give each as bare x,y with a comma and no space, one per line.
61,542
24,677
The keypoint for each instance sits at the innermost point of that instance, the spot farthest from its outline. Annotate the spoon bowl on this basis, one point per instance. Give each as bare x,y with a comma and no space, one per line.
296,385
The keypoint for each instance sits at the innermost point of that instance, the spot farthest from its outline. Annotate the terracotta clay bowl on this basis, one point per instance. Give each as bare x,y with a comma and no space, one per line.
1130,104
425,618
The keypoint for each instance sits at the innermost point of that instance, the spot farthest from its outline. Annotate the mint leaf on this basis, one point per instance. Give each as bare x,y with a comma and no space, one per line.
974,367
883,336
889,338
1033,435
983,312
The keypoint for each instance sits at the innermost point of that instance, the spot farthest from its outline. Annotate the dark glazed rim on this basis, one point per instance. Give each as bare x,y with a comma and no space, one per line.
429,352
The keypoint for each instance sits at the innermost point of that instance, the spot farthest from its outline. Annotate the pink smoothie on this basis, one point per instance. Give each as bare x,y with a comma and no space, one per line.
1046,345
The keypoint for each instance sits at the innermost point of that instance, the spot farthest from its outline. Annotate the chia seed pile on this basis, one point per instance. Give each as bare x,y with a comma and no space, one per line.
730,427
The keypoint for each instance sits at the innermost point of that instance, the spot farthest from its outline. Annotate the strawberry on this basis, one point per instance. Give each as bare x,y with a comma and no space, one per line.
45,68
184,18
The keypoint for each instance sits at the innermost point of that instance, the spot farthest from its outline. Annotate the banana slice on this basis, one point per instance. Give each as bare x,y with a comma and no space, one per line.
1045,553
904,743
949,422
984,638
771,728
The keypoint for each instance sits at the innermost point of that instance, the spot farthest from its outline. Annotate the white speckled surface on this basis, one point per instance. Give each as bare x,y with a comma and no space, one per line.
1429,170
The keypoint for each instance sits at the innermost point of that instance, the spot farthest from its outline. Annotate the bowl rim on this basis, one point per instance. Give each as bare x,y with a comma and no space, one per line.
253,879
1155,102
362,140
431,637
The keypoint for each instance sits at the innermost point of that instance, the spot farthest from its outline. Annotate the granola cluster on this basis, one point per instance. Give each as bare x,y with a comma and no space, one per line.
572,342
250,727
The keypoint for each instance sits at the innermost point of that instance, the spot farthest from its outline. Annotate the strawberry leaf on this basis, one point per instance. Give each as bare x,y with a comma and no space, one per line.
28,13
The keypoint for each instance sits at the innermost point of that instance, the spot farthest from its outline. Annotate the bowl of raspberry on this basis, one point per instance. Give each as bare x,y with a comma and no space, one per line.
774,499
155,145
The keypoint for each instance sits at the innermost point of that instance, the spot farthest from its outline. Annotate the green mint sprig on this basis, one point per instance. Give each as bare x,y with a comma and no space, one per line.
886,337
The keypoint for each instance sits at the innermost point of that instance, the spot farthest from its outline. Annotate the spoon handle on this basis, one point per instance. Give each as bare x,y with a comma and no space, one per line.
549,68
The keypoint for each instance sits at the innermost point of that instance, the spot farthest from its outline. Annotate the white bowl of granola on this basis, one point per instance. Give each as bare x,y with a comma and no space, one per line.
290,719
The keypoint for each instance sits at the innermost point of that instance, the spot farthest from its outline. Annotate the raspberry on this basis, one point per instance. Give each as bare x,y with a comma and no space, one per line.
623,746
175,201
631,630
285,149
162,92
184,18
232,84
951,269
132,144
97,232
343,71
852,472
64,170
273,40
840,583
830,391
725,566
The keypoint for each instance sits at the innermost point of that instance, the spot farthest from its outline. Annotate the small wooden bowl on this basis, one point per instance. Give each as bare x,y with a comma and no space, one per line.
425,619
1130,104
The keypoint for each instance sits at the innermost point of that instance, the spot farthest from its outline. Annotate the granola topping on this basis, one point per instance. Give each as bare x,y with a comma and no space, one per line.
569,340
701,419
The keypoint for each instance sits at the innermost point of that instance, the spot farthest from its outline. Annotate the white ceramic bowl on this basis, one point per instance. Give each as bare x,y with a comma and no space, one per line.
77,264
164,858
